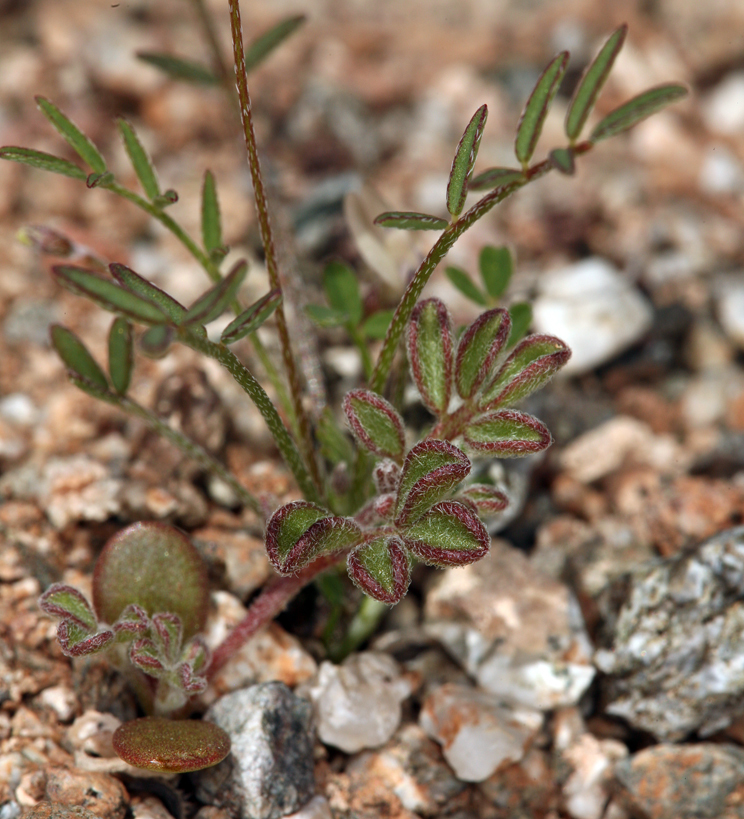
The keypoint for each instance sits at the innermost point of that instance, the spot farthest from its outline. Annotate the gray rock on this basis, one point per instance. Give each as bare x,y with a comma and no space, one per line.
683,782
269,772
674,655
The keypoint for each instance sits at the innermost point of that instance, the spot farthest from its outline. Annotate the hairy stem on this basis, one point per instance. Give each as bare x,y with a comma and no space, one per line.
267,238
257,394
270,602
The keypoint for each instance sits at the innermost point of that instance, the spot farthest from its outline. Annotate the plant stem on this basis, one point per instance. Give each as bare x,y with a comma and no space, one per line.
218,64
267,238
362,627
272,600
257,394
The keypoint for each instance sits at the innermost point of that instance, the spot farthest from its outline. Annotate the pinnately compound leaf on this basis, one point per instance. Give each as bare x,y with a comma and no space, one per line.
43,161
637,109
479,348
121,354
466,285
462,164
449,534
252,317
429,343
67,603
381,568
76,357
136,284
432,469
531,364
140,160
507,434
217,299
536,110
178,68
262,46
495,178
298,532
587,91
405,220
484,498
74,137
108,294
211,221
375,423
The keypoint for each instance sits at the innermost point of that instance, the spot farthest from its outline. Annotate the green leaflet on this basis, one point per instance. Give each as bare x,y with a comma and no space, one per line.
178,68
637,109
74,137
536,110
43,161
211,222
76,357
462,164
407,220
121,354
262,46
140,160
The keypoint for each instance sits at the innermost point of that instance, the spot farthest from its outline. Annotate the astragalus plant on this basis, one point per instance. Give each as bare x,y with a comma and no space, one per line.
397,500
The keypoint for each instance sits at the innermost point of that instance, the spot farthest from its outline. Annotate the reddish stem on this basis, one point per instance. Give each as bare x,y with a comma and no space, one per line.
270,602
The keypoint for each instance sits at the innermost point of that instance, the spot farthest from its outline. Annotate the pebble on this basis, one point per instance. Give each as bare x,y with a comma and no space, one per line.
78,488
723,108
593,308
587,789
358,703
104,795
19,409
412,768
517,631
604,449
671,654
55,810
730,308
269,772
316,808
61,699
700,781
477,733
721,172
271,654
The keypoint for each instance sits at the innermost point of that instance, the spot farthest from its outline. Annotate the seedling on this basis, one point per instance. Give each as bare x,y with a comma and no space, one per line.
381,506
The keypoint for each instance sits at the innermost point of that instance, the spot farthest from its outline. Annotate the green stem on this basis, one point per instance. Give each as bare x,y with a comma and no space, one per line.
363,625
218,64
267,238
257,394
361,345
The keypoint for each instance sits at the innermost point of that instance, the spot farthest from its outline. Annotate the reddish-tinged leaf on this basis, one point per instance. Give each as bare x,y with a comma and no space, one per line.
109,295
449,534
145,655
478,349
637,109
536,110
531,364
587,91
147,290
406,220
217,299
432,469
78,642
67,603
429,342
381,569
507,434
191,682
495,178
171,746
132,621
462,164
376,423
298,532
252,317
168,631
485,499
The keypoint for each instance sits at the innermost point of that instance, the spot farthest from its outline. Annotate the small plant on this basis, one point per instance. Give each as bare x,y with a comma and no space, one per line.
380,507
150,601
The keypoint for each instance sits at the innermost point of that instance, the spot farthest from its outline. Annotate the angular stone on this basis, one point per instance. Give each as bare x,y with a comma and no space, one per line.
269,772
477,733
673,648
358,704
102,794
